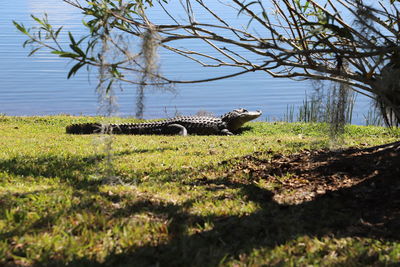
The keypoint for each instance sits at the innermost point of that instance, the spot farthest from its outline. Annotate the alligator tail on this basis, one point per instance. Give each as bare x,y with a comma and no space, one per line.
84,128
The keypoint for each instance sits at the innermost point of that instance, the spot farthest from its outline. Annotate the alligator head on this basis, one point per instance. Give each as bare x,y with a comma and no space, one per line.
236,118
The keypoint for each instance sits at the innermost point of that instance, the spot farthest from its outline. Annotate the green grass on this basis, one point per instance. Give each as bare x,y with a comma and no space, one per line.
180,204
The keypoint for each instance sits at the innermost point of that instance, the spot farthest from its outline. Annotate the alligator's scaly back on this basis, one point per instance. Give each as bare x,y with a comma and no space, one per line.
200,125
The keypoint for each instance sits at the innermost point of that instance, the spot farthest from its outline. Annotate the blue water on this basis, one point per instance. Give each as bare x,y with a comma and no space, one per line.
38,85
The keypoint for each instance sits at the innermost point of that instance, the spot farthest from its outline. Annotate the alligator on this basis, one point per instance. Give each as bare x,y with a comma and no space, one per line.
182,125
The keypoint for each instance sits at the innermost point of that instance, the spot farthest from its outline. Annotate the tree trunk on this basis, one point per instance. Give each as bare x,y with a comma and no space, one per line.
388,94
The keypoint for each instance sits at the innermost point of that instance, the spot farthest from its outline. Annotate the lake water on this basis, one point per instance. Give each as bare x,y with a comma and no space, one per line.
38,85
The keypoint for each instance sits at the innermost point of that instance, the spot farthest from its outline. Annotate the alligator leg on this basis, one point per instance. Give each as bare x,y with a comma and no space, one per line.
226,132
182,131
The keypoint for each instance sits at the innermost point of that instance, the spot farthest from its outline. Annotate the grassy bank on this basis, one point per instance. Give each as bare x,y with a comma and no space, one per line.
185,201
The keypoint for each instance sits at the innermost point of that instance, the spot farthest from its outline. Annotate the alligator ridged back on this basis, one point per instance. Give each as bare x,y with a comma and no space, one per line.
194,125
84,128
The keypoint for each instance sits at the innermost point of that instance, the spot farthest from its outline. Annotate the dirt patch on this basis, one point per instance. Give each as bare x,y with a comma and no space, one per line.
303,176
359,183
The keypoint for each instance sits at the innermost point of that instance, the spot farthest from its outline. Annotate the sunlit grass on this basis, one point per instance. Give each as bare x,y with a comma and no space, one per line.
176,205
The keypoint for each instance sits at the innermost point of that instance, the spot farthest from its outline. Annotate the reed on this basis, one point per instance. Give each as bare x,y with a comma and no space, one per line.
322,106
373,117
289,116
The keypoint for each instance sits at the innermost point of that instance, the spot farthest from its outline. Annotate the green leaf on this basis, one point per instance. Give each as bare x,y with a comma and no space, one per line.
58,31
265,15
71,38
246,7
81,40
37,19
34,51
29,41
91,45
339,31
305,7
75,68
77,50
114,71
65,54
20,27
57,52
342,32
298,3
311,24
109,86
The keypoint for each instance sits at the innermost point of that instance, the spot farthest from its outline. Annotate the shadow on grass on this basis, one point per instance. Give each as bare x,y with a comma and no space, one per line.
369,208
273,225
242,130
